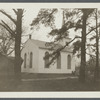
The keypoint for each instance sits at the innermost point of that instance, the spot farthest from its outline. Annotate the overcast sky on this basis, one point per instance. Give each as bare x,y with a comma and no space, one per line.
29,15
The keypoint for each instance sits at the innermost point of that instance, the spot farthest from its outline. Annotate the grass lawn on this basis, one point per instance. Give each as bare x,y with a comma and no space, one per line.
48,84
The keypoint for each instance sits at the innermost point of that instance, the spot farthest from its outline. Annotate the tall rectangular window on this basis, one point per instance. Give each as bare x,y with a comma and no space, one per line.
25,57
59,61
47,59
69,62
31,59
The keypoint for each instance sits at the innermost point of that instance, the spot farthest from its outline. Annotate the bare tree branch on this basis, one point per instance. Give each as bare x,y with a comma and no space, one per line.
90,54
15,11
93,29
13,20
5,28
8,28
10,52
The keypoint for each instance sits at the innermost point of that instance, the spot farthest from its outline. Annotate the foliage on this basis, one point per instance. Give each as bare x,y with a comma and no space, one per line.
46,17
77,46
91,64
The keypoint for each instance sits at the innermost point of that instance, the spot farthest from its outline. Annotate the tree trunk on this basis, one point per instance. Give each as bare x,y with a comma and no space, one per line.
83,50
17,44
96,73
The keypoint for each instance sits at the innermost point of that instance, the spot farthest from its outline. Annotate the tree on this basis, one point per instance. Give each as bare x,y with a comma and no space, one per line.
6,42
83,45
96,74
71,15
91,64
16,34
96,45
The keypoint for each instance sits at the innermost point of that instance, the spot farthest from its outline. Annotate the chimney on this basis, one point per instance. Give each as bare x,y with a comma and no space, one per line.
30,36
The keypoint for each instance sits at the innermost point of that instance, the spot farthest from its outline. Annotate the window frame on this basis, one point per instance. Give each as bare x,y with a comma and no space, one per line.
46,61
59,61
25,60
31,60
68,61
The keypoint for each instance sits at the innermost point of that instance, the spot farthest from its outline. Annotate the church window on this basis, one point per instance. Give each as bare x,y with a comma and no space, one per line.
47,59
31,59
25,57
69,62
59,61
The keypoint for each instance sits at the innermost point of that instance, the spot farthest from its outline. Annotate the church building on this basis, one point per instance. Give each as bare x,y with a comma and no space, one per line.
33,54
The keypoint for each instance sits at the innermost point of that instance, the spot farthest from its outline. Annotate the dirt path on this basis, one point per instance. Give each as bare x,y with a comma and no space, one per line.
57,78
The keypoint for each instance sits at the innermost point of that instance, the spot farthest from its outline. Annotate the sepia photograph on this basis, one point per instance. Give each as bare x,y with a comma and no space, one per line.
49,47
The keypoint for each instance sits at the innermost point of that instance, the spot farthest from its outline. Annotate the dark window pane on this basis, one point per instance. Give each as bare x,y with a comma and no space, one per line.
31,59
59,61
69,62
47,60
25,57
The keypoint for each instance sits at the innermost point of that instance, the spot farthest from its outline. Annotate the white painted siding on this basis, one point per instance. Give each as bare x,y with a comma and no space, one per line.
38,61
30,47
53,68
42,68
64,62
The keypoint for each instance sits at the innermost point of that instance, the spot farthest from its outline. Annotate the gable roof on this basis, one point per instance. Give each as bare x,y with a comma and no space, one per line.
39,43
42,45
